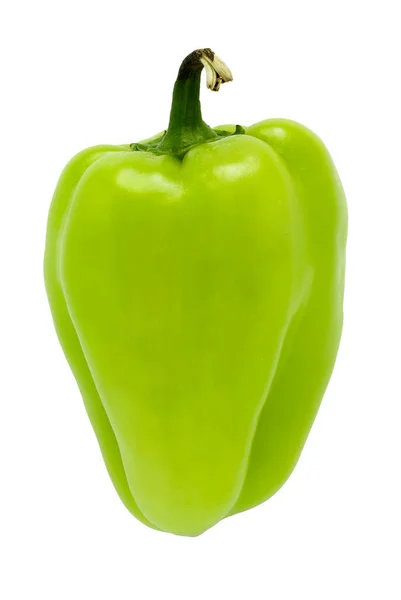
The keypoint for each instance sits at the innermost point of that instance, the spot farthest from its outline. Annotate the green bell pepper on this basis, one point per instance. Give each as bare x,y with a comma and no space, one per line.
196,286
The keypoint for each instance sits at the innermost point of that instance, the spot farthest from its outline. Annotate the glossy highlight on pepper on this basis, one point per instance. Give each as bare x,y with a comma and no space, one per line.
196,285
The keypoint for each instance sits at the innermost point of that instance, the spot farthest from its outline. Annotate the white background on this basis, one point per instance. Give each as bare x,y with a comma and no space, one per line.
79,73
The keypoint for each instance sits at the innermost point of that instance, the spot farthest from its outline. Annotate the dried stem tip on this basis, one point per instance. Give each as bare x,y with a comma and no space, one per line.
217,71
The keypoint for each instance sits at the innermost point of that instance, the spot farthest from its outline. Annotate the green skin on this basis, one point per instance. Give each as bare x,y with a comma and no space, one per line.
197,295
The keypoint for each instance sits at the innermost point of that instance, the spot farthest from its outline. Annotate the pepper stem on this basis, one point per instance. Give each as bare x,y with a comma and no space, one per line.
186,127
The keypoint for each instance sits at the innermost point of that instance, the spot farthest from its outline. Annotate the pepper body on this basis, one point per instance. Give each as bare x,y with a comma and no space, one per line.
198,301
